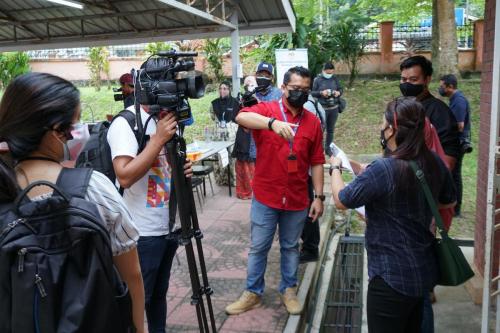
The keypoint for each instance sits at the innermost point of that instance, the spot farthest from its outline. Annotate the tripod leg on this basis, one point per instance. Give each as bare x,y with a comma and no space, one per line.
184,191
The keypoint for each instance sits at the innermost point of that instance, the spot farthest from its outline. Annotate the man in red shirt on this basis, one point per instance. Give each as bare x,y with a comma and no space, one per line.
289,143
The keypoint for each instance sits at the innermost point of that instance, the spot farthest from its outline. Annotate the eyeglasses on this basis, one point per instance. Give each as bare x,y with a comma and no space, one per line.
299,88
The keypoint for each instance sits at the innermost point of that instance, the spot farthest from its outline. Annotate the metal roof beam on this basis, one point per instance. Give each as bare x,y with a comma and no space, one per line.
117,10
199,13
11,19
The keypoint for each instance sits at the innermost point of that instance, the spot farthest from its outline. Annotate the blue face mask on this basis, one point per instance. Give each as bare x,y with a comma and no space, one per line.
327,76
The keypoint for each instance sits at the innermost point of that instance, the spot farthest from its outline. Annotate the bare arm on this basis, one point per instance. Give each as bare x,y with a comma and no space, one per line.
337,183
461,126
318,180
129,169
130,271
256,121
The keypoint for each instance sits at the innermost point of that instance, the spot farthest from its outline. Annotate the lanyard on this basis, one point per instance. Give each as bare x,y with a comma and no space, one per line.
294,129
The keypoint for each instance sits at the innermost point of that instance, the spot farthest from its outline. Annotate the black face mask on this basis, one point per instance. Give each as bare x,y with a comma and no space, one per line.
409,89
441,91
383,140
263,82
297,98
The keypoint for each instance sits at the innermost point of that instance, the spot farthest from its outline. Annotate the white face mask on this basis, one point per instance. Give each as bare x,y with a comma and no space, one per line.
66,154
80,135
327,76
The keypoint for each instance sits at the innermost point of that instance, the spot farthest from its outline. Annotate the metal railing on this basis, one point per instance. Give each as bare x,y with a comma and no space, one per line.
371,37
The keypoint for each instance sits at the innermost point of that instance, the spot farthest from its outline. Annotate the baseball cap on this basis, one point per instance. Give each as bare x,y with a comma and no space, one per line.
127,79
264,66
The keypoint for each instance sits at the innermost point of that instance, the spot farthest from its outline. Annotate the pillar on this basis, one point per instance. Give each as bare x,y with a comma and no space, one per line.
235,54
385,41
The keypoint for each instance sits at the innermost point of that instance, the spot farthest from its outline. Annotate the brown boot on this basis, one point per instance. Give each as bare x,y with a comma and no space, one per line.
292,304
247,301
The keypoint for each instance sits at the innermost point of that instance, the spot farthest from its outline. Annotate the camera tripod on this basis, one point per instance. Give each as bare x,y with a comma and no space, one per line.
176,154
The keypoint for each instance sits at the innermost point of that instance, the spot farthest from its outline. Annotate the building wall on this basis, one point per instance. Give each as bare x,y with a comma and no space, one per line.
484,139
77,70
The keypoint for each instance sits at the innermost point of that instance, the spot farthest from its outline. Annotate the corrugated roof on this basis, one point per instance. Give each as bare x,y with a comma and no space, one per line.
40,24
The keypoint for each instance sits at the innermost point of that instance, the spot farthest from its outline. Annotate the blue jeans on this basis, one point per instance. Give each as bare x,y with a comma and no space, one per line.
264,220
156,254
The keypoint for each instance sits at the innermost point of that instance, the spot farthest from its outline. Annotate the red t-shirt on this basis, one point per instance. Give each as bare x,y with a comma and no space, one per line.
272,184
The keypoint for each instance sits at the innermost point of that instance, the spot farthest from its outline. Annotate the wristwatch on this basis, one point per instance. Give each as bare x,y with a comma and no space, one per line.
320,197
270,123
333,167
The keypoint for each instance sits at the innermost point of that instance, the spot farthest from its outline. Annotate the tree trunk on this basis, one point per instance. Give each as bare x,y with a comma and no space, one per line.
448,54
435,37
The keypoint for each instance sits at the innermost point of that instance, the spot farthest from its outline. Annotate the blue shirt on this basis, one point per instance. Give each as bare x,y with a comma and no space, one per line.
273,94
398,240
459,105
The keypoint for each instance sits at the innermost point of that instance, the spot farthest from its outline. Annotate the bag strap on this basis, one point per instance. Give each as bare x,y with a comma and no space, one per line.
430,199
74,181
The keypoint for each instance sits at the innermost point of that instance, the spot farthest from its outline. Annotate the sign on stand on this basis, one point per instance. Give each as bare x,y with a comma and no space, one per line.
288,58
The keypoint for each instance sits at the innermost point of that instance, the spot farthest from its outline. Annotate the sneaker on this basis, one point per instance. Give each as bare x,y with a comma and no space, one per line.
308,256
292,304
247,301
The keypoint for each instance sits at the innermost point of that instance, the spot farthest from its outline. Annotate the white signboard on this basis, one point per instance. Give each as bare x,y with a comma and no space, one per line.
288,58
223,158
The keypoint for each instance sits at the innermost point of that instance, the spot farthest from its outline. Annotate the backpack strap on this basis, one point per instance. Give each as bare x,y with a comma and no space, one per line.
131,119
74,181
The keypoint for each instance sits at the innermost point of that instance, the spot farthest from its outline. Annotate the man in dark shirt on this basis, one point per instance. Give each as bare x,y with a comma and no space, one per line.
416,75
459,105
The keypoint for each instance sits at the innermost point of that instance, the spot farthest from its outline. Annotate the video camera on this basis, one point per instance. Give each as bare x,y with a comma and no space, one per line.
118,97
166,80
248,98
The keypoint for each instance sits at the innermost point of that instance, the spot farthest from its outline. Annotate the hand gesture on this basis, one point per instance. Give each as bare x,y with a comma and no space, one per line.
188,168
283,129
336,93
336,161
325,93
316,209
166,127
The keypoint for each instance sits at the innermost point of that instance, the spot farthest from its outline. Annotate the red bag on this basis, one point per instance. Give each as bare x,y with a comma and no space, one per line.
433,143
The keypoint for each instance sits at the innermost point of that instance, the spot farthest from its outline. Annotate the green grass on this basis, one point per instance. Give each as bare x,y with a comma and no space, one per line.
357,130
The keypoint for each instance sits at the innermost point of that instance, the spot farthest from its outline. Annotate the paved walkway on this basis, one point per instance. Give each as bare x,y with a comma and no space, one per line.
225,223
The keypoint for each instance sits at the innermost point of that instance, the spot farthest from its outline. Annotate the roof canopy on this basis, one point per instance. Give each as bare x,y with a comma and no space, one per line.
40,24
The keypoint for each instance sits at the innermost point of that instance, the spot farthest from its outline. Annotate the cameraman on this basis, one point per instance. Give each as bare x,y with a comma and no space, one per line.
146,179
459,106
327,88
127,89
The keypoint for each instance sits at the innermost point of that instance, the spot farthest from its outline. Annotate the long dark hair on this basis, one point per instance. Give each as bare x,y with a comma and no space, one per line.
31,105
407,117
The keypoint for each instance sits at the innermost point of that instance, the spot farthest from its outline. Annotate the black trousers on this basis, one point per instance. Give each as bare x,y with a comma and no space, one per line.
456,173
331,119
310,233
390,311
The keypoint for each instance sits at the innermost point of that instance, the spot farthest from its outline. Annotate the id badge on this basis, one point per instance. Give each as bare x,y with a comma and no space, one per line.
292,163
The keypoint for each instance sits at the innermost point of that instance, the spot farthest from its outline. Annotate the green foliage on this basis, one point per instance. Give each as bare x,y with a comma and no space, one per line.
98,63
348,46
407,11
214,52
13,64
154,48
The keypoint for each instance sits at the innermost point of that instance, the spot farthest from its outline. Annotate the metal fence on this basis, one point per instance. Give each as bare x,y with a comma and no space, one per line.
415,38
119,51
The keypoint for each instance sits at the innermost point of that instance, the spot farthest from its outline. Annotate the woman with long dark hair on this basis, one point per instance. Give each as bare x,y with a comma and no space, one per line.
402,264
37,114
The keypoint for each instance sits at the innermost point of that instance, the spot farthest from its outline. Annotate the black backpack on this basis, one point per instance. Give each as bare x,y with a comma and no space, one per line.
96,153
57,272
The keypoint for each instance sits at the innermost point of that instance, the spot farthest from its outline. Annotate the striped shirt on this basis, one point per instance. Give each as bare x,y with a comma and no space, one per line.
115,215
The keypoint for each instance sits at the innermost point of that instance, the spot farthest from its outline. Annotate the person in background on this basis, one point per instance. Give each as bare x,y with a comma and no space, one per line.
416,75
245,165
37,114
459,105
127,87
289,143
309,250
265,80
402,265
327,89
223,110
